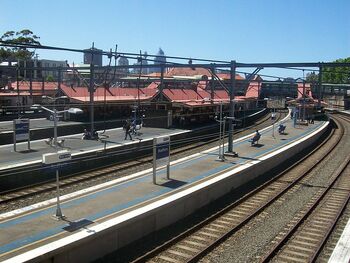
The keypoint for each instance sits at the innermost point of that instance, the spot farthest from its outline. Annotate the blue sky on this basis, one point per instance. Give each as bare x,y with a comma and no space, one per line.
242,30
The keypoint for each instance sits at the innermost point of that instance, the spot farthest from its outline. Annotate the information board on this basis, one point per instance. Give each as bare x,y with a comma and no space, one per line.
21,129
161,154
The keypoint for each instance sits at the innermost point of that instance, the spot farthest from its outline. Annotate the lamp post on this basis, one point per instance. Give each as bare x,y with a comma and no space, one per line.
58,215
221,150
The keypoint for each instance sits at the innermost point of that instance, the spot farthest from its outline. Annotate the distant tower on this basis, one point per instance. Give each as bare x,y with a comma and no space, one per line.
123,61
97,56
159,59
145,62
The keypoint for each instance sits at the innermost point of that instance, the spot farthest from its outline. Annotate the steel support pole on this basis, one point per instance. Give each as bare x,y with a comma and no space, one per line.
59,215
55,127
154,177
161,82
17,86
319,85
223,138
231,110
91,90
212,84
220,131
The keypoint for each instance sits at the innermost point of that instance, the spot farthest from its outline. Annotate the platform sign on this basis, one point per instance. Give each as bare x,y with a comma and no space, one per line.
161,154
60,156
21,131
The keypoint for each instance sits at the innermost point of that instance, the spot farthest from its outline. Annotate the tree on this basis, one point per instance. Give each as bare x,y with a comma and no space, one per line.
339,75
50,78
24,36
336,75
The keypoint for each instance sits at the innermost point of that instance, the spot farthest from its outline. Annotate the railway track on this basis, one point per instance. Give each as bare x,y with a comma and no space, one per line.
305,237
117,170
192,244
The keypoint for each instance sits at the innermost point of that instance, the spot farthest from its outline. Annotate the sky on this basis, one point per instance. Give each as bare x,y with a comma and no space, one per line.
241,30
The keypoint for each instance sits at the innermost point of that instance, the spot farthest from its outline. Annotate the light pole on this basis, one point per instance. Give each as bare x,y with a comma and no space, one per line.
273,118
58,215
221,149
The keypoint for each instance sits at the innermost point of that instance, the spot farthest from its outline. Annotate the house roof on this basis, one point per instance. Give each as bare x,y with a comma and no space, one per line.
14,94
308,91
114,94
36,85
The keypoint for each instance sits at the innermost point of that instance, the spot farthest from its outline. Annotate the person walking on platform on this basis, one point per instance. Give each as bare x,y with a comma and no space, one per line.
127,128
256,138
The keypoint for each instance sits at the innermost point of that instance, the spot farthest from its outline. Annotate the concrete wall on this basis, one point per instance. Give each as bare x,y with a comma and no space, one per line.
123,233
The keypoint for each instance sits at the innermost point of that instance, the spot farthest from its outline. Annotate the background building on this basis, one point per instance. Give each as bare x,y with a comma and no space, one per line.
95,58
123,61
159,59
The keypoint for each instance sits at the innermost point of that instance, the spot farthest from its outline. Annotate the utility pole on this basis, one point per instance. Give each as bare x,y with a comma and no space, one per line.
319,84
17,86
92,89
304,97
231,110
161,81
212,83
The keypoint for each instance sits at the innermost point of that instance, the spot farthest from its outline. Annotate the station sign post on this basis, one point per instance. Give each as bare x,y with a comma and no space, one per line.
273,119
161,155
55,159
21,132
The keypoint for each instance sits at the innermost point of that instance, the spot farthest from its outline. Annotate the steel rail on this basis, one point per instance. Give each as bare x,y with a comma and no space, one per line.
285,238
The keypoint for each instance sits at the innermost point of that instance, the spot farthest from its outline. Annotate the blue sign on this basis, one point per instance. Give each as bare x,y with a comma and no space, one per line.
21,129
162,151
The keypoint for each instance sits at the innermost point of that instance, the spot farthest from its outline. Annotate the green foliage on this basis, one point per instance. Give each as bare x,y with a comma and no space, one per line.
311,77
340,75
335,75
24,36
50,78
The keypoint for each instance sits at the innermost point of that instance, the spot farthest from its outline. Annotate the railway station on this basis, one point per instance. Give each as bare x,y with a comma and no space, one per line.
168,162
117,213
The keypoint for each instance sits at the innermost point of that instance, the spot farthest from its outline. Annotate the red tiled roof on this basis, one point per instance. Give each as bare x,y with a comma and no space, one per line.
112,94
154,74
227,76
13,94
187,72
198,71
36,85
252,90
153,85
308,91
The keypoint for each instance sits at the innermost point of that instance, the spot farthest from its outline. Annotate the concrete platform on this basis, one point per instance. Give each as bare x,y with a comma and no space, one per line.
40,123
106,217
112,138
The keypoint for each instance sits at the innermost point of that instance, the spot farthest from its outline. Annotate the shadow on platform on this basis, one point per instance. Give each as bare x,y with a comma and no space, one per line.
27,151
173,184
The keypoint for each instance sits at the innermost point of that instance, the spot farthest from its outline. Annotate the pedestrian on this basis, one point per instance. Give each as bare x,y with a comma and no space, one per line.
127,127
133,127
256,138
312,119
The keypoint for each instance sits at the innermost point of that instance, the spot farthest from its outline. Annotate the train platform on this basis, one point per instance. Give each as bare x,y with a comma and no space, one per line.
39,123
112,138
31,234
